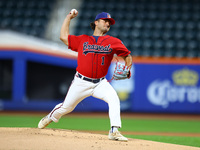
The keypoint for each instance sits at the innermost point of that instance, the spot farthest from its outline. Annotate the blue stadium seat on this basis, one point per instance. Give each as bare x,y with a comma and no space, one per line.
190,25
179,34
136,52
158,45
169,25
136,44
198,36
192,53
170,44
185,16
32,4
19,13
21,4
2,4
169,53
17,23
124,33
145,33
146,53
181,45
158,53
6,22
168,34
180,53
193,45
135,34
147,44
10,4
180,25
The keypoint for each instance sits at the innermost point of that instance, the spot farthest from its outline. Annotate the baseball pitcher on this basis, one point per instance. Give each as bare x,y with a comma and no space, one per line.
95,54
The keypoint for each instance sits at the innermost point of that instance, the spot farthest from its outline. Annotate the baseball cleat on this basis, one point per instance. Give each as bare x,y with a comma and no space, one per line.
44,122
117,136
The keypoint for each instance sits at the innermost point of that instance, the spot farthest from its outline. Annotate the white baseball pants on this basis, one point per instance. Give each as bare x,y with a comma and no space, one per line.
81,89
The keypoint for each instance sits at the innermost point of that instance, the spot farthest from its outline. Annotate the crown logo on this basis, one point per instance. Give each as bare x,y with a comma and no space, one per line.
185,77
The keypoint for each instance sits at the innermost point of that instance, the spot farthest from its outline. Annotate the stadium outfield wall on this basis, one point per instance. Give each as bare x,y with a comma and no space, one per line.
167,85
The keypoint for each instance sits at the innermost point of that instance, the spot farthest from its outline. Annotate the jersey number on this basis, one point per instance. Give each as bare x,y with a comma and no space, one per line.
103,59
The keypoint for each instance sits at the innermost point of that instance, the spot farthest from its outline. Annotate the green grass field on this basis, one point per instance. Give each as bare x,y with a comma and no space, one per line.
129,125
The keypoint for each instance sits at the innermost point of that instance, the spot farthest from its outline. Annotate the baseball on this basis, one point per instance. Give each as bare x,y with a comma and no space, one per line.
73,11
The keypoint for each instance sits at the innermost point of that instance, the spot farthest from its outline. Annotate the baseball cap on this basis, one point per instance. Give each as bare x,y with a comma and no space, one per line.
105,15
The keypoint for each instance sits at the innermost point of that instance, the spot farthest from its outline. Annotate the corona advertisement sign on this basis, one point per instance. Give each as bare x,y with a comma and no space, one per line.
167,88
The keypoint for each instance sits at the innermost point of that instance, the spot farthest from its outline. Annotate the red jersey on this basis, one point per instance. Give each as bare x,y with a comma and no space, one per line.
94,58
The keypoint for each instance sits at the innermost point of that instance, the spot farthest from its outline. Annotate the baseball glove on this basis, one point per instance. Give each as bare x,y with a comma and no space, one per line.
121,72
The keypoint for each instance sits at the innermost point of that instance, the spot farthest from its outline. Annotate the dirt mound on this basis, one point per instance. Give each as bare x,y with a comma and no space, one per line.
51,139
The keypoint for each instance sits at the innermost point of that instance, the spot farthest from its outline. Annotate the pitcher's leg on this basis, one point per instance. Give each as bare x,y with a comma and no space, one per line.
114,109
106,92
75,95
60,110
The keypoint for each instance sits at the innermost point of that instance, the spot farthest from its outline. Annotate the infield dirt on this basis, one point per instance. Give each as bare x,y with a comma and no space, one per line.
51,139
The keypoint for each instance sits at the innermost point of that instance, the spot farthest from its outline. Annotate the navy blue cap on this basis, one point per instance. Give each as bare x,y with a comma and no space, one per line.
105,15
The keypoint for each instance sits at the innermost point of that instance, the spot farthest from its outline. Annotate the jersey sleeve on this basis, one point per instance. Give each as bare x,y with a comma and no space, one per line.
74,42
120,48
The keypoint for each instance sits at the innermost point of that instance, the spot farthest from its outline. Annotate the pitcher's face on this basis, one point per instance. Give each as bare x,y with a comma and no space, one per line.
103,25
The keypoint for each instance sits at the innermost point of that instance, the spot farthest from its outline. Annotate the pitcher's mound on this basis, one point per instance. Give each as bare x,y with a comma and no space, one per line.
51,139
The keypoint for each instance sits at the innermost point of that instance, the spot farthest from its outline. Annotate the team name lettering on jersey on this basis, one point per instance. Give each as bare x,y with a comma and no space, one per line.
88,48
